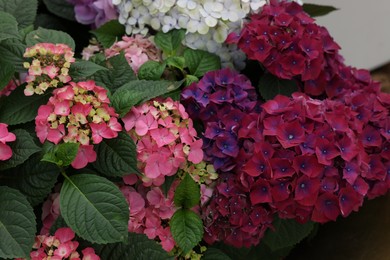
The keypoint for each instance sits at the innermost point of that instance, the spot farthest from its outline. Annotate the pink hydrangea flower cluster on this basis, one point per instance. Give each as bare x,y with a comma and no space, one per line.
165,138
60,246
6,91
79,113
49,67
137,50
94,12
150,212
5,137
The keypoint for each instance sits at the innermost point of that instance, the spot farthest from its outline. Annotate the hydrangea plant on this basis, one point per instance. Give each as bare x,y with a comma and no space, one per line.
144,140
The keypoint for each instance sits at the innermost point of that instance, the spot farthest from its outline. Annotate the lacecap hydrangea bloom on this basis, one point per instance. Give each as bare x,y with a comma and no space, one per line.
214,18
165,138
5,137
78,113
49,67
60,246
94,12
137,50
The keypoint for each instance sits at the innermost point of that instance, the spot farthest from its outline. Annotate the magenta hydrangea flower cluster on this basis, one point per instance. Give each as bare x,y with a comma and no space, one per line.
137,50
49,67
287,41
78,113
94,12
297,157
5,137
165,138
60,246
221,100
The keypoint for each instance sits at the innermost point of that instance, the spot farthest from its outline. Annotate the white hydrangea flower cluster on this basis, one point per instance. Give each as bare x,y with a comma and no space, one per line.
207,22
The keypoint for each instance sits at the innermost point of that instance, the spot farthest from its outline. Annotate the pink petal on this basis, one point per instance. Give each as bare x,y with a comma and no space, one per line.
64,234
84,155
141,128
196,152
5,152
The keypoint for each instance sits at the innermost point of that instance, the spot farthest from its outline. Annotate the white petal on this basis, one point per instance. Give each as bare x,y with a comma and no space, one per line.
211,21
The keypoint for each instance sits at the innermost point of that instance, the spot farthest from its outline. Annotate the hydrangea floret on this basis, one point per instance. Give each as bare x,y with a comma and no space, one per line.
165,138
78,113
5,137
137,50
50,212
49,67
94,12
60,246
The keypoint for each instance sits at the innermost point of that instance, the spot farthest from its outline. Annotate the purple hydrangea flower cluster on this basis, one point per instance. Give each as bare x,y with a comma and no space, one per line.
94,12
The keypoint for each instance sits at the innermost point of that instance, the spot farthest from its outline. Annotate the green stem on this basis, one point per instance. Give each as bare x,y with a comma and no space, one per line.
62,170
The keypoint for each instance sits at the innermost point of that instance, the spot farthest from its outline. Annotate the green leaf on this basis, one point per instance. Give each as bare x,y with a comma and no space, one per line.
61,8
18,109
7,71
62,154
119,73
190,79
287,233
169,42
138,247
271,86
22,148
23,10
139,91
17,224
109,33
116,157
186,228
48,35
151,70
215,254
24,31
187,194
233,252
11,51
176,62
94,208
318,10
8,26
34,178
199,62
81,70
